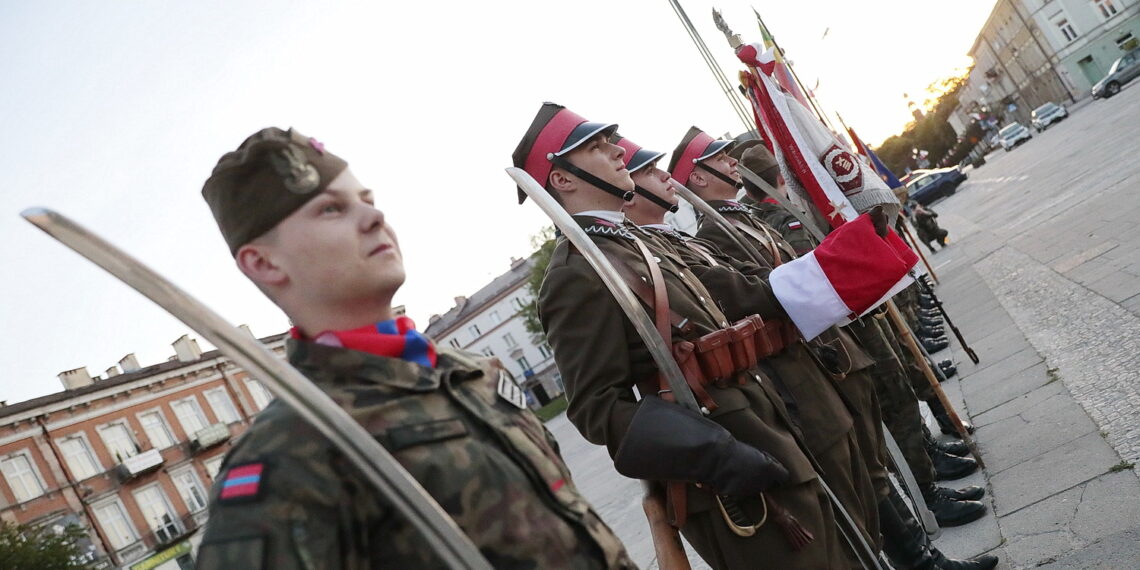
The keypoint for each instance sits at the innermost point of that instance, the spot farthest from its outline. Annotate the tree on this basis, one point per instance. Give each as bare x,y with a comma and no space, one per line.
27,547
932,133
543,242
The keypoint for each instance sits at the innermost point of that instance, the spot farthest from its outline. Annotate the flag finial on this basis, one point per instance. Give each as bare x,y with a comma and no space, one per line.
734,40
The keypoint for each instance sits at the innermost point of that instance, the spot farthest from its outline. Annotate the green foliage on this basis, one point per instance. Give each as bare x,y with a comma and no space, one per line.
932,133
543,243
26,547
552,408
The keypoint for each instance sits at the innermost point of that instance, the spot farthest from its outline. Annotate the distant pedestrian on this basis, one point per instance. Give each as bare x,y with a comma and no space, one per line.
926,222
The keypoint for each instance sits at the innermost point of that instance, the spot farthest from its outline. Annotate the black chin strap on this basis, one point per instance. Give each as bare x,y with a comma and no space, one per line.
655,199
724,177
564,164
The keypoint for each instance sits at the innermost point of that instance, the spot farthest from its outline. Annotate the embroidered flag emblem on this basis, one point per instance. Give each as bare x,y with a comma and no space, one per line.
794,225
510,391
243,481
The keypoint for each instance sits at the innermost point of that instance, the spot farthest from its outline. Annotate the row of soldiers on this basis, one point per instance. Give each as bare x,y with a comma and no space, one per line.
785,423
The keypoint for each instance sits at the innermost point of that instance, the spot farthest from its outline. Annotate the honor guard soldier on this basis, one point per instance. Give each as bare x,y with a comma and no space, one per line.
705,166
747,450
309,235
741,289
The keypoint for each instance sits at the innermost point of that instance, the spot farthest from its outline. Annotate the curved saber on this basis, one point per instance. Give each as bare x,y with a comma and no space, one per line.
312,404
705,209
629,303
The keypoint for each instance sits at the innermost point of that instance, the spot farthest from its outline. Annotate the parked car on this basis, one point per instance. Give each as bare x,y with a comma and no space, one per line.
934,184
1122,71
1012,135
1048,114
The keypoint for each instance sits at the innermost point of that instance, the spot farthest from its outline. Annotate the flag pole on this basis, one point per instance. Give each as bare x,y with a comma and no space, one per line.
714,67
795,76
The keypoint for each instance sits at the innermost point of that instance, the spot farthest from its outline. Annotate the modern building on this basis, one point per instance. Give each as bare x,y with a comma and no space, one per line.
129,456
1033,51
489,323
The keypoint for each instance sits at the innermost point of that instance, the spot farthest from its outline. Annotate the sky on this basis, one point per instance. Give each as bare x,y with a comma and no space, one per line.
114,114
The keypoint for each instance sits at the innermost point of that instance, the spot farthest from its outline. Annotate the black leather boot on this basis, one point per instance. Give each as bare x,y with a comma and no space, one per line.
933,346
948,368
944,424
949,467
957,448
971,493
949,512
983,562
908,547
936,330
930,321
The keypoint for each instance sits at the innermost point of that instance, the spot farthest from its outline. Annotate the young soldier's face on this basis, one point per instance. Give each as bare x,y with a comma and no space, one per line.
338,248
657,181
725,165
603,159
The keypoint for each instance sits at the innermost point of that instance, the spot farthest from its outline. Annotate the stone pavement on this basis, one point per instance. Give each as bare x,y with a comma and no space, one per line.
1043,278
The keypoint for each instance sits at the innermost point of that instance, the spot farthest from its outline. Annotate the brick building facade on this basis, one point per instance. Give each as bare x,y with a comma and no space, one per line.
129,457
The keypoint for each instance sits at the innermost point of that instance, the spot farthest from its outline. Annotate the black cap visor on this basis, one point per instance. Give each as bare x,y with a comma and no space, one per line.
715,147
643,158
583,133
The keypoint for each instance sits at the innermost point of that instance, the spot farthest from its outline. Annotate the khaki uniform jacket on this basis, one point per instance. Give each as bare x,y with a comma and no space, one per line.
601,359
489,463
811,396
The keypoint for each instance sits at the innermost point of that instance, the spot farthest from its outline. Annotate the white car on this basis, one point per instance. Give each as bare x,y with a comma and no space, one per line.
1012,135
1048,114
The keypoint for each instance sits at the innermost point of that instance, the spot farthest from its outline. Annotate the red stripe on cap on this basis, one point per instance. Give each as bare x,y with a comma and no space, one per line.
630,147
245,471
685,165
549,141
555,486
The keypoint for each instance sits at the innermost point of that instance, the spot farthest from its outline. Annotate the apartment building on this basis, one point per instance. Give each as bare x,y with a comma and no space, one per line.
130,455
488,322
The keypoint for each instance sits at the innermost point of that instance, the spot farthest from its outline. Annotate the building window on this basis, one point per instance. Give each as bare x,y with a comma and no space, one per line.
22,478
524,364
454,343
260,394
190,488
222,405
1126,42
1106,8
510,340
213,465
113,518
474,330
517,302
80,460
545,351
487,351
495,318
1066,28
120,444
156,512
154,425
190,415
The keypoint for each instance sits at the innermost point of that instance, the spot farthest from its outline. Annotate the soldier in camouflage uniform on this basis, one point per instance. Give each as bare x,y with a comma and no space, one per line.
305,231
711,172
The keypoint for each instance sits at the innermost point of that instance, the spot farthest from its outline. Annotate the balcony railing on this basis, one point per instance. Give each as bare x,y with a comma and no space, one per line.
136,465
208,437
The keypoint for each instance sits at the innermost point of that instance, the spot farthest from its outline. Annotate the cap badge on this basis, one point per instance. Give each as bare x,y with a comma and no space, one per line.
296,173
318,145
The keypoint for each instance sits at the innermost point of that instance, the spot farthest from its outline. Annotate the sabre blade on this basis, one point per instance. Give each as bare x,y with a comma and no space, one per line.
313,405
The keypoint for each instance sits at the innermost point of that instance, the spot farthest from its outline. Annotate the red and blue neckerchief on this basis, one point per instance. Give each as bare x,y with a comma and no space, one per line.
396,338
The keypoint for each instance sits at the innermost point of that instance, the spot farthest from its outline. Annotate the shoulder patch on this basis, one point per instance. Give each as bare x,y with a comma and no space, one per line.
243,482
510,391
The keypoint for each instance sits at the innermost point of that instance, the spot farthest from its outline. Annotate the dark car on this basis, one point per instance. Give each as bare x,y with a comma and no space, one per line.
934,184
1122,71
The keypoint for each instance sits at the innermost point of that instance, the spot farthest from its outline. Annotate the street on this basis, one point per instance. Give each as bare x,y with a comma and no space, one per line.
1042,275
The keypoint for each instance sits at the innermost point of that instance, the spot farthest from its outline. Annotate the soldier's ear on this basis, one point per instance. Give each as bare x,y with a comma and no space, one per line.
698,179
256,262
561,180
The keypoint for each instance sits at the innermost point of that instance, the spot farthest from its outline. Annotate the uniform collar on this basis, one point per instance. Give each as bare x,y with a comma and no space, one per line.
607,215
336,365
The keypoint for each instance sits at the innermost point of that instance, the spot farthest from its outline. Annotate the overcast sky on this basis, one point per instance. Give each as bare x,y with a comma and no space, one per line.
114,113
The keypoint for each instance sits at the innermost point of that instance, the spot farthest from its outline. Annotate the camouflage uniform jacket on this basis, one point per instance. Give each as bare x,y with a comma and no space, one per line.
489,463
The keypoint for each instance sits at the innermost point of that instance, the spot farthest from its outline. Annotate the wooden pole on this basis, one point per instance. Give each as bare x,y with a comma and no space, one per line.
908,340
